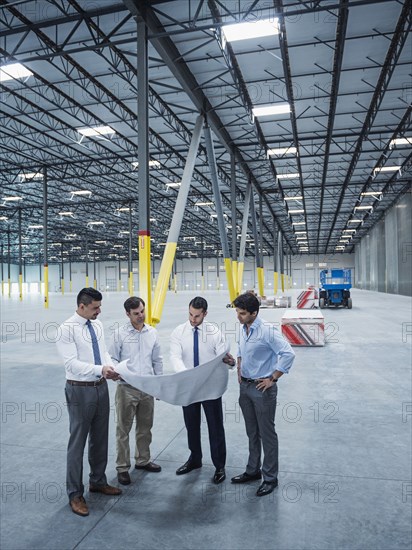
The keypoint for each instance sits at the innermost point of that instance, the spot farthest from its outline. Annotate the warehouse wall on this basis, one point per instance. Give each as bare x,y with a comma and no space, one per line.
383,258
305,271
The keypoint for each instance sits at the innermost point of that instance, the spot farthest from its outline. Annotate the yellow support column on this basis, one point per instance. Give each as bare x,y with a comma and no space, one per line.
162,281
94,284
145,277
2,288
235,277
175,283
217,283
202,284
130,283
20,287
282,281
70,285
275,282
87,281
261,281
9,288
229,278
46,286
62,285
240,267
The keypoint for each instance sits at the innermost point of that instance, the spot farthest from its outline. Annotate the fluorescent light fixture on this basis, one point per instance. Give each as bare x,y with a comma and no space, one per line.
100,242
123,209
401,141
300,232
371,193
268,110
13,72
355,221
288,176
152,220
3,218
296,211
81,192
297,198
301,238
349,230
363,207
281,151
250,29
31,176
117,246
339,248
152,164
174,184
35,227
298,223
12,199
386,169
204,203
95,223
68,213
96,131
124,232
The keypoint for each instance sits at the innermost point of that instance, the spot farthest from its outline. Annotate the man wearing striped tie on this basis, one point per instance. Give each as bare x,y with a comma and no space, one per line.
88,365
191,344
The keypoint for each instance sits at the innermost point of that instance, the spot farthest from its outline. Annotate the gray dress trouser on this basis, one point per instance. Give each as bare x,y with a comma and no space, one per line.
89,409
258,410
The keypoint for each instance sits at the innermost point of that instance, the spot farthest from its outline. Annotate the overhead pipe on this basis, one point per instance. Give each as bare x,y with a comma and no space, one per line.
175,226
219,211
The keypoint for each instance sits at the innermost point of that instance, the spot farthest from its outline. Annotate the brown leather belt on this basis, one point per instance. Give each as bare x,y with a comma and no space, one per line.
80,383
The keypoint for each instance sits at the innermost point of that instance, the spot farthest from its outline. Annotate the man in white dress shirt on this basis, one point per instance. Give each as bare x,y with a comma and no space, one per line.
191,344
139,343
88,365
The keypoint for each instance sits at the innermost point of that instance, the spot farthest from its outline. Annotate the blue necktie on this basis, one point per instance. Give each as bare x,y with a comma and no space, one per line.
95,345
196,347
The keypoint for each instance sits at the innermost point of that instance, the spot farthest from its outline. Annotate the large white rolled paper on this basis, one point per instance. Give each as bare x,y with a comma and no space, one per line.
207,381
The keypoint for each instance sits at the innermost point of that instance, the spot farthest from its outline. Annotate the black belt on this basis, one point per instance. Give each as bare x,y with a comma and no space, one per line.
253,381
80,383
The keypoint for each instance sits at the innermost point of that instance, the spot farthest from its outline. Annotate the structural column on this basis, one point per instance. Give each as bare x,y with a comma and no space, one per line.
2,270
87,262
45,243
62,270
234,225
145,278
8,264
130,262
20,261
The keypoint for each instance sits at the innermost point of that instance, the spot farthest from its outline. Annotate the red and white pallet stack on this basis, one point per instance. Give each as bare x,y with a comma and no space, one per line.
308,299
303,327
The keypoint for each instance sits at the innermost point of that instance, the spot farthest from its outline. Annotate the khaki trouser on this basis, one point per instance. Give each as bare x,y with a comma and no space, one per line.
133,404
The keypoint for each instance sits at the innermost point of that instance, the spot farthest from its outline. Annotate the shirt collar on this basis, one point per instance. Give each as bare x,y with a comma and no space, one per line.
256,323
79,319
131,328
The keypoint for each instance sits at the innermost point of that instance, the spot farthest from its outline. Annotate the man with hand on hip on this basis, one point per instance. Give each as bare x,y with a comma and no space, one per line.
263,357
139,343
88,365
191,344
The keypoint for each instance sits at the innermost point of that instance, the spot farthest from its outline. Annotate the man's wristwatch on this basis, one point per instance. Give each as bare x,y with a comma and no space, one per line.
274,380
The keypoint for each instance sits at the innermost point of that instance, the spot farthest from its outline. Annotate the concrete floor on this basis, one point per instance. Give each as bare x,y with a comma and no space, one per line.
344,422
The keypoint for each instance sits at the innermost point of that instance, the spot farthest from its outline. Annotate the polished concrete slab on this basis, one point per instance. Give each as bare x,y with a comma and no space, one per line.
344,422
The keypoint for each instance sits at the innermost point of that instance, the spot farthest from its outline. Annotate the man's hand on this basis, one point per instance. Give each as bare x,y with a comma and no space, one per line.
109,373
264,384
229,360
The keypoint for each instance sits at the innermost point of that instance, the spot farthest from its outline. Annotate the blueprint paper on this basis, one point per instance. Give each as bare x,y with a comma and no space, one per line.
207,381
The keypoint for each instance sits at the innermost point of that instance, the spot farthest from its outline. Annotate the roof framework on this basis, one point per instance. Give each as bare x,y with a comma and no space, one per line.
344,67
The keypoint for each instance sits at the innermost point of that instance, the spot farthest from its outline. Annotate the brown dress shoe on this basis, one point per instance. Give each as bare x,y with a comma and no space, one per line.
149,467
124,478
105,490
79,506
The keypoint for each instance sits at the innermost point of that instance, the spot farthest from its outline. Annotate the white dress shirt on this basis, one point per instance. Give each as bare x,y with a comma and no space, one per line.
211,343
75,347
141,348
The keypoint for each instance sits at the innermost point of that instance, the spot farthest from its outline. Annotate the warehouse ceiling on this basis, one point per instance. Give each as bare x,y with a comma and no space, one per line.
342,68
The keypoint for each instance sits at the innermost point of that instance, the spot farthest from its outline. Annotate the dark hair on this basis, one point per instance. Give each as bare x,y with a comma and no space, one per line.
88,295
198,303
133,303
247,301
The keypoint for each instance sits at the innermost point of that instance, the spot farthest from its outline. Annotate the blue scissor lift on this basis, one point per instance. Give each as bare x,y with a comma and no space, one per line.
335,285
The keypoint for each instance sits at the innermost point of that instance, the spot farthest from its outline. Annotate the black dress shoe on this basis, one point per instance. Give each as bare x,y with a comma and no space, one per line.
187,467
123,478
149,467
266,488
245,477
220,475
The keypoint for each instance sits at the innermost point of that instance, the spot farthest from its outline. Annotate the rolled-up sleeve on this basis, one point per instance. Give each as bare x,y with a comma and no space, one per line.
283,351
